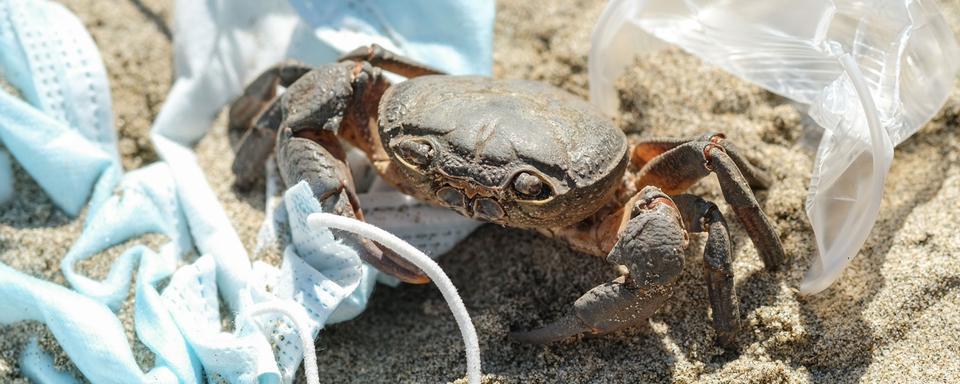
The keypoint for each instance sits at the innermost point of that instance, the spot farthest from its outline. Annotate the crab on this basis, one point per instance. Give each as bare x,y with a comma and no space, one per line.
517,153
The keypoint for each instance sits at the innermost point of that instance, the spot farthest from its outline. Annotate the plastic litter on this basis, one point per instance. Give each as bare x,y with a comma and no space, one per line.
66,121
86,329
870,73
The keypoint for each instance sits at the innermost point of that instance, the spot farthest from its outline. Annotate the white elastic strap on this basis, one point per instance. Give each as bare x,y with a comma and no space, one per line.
427,265
267,234
298,315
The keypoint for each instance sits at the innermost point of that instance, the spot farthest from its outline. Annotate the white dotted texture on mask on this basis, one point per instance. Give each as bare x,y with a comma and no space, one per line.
144,202
311,291
318,248
68,77
317,273
191,297
302,327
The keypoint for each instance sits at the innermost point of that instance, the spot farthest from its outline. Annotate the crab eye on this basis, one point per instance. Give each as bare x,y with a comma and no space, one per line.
416,152
530,187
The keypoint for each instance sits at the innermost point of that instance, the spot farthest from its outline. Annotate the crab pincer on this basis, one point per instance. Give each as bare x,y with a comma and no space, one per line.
651,248
301,127
317,158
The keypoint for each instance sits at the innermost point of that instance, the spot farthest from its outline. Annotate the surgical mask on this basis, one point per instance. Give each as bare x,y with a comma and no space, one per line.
64,138
319,282
6,178
183,326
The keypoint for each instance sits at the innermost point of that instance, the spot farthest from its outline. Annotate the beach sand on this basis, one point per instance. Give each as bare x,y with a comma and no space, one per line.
894,315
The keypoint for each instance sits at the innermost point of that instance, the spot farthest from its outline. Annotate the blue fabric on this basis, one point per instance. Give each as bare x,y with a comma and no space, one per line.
62,134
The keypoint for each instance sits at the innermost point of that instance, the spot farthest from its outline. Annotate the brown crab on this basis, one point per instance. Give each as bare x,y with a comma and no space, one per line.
517,153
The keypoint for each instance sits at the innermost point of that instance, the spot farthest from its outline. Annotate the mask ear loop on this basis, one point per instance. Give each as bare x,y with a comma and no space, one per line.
298,316
427,265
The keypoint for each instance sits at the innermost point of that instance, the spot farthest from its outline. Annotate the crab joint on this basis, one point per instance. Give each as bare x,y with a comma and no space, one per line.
714,143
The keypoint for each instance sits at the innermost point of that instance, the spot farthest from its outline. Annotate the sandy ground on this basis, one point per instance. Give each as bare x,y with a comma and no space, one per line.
893,317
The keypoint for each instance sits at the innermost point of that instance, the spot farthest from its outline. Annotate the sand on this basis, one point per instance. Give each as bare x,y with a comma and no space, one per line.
894,316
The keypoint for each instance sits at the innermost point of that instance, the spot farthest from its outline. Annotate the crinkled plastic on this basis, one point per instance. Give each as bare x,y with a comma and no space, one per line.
63,134
871,73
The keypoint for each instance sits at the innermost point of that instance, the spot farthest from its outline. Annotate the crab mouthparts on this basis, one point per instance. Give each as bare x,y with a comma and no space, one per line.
478,207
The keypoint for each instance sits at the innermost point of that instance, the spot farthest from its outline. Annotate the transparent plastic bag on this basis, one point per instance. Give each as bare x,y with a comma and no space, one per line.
870,72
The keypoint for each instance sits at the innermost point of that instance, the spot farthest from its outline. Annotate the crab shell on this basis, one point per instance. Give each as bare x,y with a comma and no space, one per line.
475,136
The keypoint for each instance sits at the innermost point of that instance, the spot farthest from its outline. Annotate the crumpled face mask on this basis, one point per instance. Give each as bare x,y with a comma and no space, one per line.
66,122
64,138
182,326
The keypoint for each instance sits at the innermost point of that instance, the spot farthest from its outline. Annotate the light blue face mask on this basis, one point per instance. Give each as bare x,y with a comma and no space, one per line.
66,121
71,144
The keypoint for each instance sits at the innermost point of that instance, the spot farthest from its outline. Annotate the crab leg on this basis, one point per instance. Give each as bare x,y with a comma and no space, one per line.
262,91
255,147
700,215
257,114
319,110
651,246
756,178
678,168
320,107
383,58
646,150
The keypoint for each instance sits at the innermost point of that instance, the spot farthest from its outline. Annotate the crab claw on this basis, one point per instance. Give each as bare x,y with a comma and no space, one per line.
605,308
344,203
651,247
318,159
386,261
